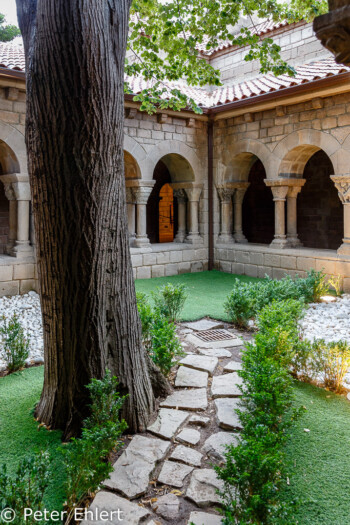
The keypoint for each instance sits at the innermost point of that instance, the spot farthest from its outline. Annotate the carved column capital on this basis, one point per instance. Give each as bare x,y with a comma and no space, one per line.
9,191
279,193
180,195
342,183
293,191
225,194
333,30
142,194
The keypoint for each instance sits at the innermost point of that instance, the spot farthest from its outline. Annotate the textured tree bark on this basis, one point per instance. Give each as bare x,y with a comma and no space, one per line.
74,131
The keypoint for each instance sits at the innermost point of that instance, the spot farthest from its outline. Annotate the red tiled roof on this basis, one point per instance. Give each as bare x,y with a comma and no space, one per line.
12,57
268,83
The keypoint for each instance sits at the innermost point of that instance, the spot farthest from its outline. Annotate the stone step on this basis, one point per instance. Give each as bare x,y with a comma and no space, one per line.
187,455
167,506
117,509
226,385
203,488
199,362
233,366
215,445
189,377
215,352
204,324
168,422
196,419
174,473
187,400
226,415
132,471
189,436
204,518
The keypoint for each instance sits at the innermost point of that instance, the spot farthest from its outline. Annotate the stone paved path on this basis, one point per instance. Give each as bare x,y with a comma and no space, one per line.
165,476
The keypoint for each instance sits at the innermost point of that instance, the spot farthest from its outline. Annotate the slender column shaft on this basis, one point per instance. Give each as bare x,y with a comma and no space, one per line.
238,201
279,197
142,194
292,229
342,183
225,196
180,195
193,208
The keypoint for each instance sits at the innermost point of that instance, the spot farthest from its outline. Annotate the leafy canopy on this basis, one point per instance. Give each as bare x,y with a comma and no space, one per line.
7,32
165,36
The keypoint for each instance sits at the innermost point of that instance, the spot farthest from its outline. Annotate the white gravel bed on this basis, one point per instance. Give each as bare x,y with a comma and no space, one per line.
328,320
27,308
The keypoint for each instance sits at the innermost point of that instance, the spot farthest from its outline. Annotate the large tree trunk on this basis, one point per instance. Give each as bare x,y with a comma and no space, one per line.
74,130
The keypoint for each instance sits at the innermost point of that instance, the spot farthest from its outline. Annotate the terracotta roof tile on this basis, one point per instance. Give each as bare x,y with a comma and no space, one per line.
12,57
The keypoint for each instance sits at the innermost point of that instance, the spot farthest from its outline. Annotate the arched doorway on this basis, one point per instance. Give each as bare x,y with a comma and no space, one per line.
8,165
163,206
320,211
258,207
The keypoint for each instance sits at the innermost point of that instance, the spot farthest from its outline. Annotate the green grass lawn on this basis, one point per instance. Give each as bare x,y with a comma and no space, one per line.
207,292
319,460
19,434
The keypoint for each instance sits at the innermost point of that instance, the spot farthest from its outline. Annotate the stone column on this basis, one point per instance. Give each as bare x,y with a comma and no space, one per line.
193,195
279,192
22,246
131,203
142,194
225,196
180,195
10,194
292,229
342,183
238,201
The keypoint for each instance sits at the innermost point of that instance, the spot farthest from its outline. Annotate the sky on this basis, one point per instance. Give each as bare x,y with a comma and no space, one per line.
8,8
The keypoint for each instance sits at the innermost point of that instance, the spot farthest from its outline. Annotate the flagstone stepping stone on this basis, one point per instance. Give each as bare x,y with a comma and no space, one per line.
204,518
187,455
203,486
233,366
226,385
204,324
191,377
226,413
215,352
200,362
168,422
119,510
132,471
189,435
167,506
174,473
187,399
231,341
199,420
215,445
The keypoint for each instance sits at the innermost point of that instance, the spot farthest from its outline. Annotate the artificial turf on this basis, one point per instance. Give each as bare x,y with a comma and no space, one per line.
19,433
207,292
318,462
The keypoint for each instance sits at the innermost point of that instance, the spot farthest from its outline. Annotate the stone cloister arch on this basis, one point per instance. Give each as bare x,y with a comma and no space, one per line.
15,195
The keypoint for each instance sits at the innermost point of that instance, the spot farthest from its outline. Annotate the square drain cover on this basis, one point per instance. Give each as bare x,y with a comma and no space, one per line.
209,336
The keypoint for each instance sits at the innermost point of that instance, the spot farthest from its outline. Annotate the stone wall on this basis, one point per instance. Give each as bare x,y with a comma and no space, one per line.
298,46
16,277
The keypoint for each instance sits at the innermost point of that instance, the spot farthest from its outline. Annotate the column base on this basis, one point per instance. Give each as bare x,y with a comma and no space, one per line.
141,242
180,237
279,242
344,249
193,238
240,238
22,250
294,242
226,238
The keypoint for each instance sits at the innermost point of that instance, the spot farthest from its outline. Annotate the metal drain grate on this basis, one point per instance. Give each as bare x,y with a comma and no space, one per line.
214,335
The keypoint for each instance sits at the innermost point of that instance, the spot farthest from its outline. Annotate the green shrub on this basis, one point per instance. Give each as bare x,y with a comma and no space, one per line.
146,316
246,300
254,470
336,282
165,346
239,304
86,458
332,361
26,489
14,345
170,300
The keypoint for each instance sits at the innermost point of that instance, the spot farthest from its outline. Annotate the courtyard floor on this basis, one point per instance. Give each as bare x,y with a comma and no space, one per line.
174,481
